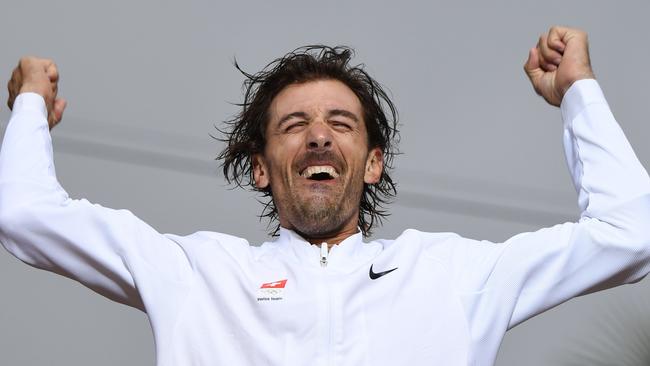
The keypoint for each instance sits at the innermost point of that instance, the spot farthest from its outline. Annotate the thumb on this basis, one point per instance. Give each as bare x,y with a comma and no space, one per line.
533,69
532,66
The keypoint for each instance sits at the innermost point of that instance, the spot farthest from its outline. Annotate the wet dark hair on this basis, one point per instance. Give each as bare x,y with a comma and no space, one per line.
245,132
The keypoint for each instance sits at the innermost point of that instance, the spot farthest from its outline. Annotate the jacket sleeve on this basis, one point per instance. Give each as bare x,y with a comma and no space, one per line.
110,251
608,246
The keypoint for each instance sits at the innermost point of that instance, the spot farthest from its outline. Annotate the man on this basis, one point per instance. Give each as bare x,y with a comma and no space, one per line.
314,137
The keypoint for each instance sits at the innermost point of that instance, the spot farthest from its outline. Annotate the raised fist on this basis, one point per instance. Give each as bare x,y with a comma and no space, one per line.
560,58
39,76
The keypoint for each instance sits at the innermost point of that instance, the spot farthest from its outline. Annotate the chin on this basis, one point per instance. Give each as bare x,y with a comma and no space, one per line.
319,224
319,221
320,215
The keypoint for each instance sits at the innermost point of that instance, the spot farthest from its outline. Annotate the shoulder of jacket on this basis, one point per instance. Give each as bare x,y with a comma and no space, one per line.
209,240
421,240
435,245
428,238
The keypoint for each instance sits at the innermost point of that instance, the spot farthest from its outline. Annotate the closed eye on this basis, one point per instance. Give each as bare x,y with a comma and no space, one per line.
342,126
292,121
343,119
294,126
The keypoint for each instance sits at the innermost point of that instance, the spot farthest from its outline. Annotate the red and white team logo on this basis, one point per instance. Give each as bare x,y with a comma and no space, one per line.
276,284
271,291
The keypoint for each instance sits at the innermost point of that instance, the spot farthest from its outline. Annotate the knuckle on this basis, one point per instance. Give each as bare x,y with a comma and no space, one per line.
27,59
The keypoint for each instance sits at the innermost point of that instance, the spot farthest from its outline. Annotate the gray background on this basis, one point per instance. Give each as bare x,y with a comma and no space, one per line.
147,81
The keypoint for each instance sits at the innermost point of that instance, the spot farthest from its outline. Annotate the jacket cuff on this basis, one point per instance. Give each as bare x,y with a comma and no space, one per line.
581,94
30,102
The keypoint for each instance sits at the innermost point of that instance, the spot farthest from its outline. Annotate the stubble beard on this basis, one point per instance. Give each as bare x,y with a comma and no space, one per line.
321,215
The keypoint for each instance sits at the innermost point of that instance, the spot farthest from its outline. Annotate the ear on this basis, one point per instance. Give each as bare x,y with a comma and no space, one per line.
260,171
374,166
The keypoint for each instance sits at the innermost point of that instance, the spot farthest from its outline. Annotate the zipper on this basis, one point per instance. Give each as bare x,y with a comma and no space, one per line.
323,254
327,345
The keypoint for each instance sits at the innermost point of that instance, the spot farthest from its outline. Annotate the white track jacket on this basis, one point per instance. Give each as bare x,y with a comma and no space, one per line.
420,299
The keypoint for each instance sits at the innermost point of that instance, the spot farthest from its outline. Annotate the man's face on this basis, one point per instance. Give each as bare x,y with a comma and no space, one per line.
316,158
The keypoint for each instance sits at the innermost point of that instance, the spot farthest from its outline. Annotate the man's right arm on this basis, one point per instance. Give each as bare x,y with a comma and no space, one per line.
110,251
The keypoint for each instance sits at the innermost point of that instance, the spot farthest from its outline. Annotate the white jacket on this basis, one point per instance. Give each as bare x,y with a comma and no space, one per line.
213,299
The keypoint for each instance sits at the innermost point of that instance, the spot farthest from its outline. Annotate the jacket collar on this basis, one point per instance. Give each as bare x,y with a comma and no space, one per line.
345,256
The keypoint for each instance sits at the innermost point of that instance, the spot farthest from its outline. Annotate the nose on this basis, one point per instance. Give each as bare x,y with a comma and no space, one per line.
319,136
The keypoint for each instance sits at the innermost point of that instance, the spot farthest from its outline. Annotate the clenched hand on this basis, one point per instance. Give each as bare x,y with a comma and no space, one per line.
560,58
39,76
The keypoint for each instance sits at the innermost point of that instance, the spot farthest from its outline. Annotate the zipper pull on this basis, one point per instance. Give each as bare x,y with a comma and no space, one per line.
323,254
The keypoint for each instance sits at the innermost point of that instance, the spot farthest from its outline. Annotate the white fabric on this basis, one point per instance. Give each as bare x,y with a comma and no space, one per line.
449,302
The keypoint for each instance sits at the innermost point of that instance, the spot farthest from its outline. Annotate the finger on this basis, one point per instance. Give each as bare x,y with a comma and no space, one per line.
548,67
16,75
13,86
543,63
59,107
15,82
51,120
52,71
10,99
549,55
556,38
10,103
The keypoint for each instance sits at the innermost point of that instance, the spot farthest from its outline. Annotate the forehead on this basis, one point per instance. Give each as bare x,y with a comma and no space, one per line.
314,97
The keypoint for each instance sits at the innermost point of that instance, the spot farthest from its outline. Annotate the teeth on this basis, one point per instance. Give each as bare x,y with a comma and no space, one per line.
310,171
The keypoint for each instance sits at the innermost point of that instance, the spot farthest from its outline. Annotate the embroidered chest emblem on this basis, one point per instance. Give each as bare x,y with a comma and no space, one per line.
271,291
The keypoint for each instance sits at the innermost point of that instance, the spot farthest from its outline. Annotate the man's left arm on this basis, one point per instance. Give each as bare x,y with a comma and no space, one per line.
603,166
608,246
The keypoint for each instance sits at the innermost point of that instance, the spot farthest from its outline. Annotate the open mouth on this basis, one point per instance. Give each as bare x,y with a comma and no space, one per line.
320,173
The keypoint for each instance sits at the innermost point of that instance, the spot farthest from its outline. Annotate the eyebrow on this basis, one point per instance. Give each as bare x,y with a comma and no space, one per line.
343,113
289,116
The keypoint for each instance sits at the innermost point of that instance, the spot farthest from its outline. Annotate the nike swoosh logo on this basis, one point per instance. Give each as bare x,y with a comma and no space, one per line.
374,276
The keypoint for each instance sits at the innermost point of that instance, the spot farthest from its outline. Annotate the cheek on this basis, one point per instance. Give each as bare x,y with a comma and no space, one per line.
356,152
283,150
278,167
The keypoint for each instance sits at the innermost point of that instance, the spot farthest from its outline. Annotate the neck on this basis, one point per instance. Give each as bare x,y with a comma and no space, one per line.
331,239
